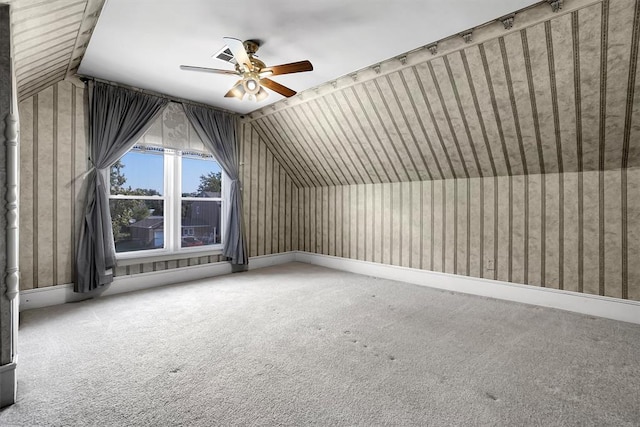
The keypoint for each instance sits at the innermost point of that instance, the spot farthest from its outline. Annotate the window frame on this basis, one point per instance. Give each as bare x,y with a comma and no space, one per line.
172,207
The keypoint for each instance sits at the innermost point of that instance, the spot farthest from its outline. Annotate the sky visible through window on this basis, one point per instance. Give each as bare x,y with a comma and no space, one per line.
146,170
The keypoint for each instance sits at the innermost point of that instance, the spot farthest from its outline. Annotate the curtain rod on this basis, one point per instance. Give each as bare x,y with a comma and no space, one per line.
84,79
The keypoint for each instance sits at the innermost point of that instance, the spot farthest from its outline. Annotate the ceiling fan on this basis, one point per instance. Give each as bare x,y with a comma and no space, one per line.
254,74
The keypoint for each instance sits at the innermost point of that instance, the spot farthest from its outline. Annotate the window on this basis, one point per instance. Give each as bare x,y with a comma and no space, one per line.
166,200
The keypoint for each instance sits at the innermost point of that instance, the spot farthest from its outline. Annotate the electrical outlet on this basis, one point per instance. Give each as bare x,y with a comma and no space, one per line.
490,264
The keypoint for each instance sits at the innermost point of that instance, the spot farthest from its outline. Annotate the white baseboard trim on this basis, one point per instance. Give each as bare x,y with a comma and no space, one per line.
271,260
153,279
60,294
593,305
47,296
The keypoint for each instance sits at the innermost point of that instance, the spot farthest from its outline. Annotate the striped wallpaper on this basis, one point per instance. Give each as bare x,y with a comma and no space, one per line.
556,93
270,198
553,230
49,39
511,158
589,231
147,267
53,153
52,156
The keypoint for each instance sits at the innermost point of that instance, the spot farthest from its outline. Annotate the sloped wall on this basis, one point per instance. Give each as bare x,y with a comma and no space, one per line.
553,230
49,40
270,198
515,148
555,93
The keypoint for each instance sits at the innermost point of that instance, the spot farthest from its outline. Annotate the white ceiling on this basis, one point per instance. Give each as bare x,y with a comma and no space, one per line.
142,43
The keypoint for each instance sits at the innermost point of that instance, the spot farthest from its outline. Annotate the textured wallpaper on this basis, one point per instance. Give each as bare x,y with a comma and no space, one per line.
270,198
577,231
510,157
53,158
572,231
557,92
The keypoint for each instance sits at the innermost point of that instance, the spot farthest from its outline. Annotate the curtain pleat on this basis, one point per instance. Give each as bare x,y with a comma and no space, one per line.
118,117
217,130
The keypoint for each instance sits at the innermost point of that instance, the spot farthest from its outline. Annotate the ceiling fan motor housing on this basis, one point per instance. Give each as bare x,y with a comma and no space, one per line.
251,46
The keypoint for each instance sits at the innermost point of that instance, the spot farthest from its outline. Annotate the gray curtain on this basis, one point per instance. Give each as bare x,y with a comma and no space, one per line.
217,130
117,119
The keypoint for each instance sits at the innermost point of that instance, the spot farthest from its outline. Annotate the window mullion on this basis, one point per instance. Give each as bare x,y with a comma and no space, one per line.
177,202
168,201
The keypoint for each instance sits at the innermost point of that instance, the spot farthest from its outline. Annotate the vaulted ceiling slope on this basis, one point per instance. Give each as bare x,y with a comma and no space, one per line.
49,40
554,93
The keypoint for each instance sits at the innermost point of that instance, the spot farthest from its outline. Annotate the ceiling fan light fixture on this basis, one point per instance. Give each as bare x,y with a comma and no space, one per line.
261,95
237,91
251,85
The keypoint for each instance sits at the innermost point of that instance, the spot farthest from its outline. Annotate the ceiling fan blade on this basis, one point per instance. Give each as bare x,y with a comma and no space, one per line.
237,48
294,67
277,87
237,91
207,70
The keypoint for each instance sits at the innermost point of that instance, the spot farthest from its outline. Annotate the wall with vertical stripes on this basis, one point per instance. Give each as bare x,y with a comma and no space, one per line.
555,93
515,148
49,39
52,161
553,230
270,197
147,267
573,231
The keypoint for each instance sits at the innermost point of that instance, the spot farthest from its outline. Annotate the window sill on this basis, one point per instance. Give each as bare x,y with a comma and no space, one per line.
124,259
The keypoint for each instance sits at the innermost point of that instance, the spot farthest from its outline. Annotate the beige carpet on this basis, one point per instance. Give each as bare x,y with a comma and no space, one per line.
304,345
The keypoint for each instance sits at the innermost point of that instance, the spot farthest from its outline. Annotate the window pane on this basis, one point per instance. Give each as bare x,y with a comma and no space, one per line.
200,223
200,177
138,173
137,224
